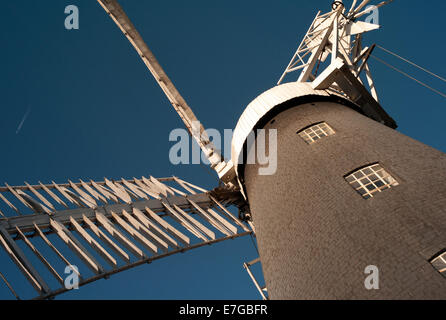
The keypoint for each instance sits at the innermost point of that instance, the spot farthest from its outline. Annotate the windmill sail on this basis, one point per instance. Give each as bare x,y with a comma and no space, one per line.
197,131
109,226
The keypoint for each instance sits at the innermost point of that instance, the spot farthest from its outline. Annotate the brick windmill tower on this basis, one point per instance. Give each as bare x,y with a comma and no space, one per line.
349,190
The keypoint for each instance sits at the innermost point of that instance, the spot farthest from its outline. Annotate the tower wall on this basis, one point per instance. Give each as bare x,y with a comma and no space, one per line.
317,235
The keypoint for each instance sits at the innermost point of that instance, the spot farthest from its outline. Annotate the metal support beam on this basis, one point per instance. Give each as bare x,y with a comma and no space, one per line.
247,266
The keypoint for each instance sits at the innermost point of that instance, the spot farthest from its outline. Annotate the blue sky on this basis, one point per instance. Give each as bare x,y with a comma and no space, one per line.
95,111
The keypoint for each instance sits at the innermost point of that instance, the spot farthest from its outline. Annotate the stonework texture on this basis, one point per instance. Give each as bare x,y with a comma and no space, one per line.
317,235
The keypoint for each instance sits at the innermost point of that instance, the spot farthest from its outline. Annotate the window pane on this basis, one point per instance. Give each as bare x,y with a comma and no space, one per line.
389,180
350,179
439,263
379,183
371,180
359,175
365,181
316,132
380,173
356,185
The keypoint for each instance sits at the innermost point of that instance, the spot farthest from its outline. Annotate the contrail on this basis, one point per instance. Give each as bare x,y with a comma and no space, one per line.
23,120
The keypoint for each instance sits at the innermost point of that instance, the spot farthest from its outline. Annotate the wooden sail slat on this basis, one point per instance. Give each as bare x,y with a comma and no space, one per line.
95,194
194,186
40,197
76,247
58,253
35,205
195,222
19,197
9,286
119,236
154,187
219,218
22,262
135,190
142,229
178,234
79,199
181,193
154,228
36,285
9,204
101,235
93,243
53,195
134,233
181,183
146,189
206,216
109,195
216,216
181,220
162,185
40,256
83,194
118,192
126,190
228,214
63,192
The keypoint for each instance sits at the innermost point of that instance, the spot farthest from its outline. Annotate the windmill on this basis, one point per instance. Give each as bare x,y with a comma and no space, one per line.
114,225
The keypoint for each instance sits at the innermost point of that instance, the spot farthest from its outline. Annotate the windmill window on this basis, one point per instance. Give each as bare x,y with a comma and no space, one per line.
371,180
439,263
316,132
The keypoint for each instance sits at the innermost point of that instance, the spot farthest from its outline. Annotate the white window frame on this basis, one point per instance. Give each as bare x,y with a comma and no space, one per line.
439,263
370,180
316,132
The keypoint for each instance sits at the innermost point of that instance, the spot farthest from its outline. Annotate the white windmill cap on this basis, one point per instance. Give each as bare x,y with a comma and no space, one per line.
263,105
